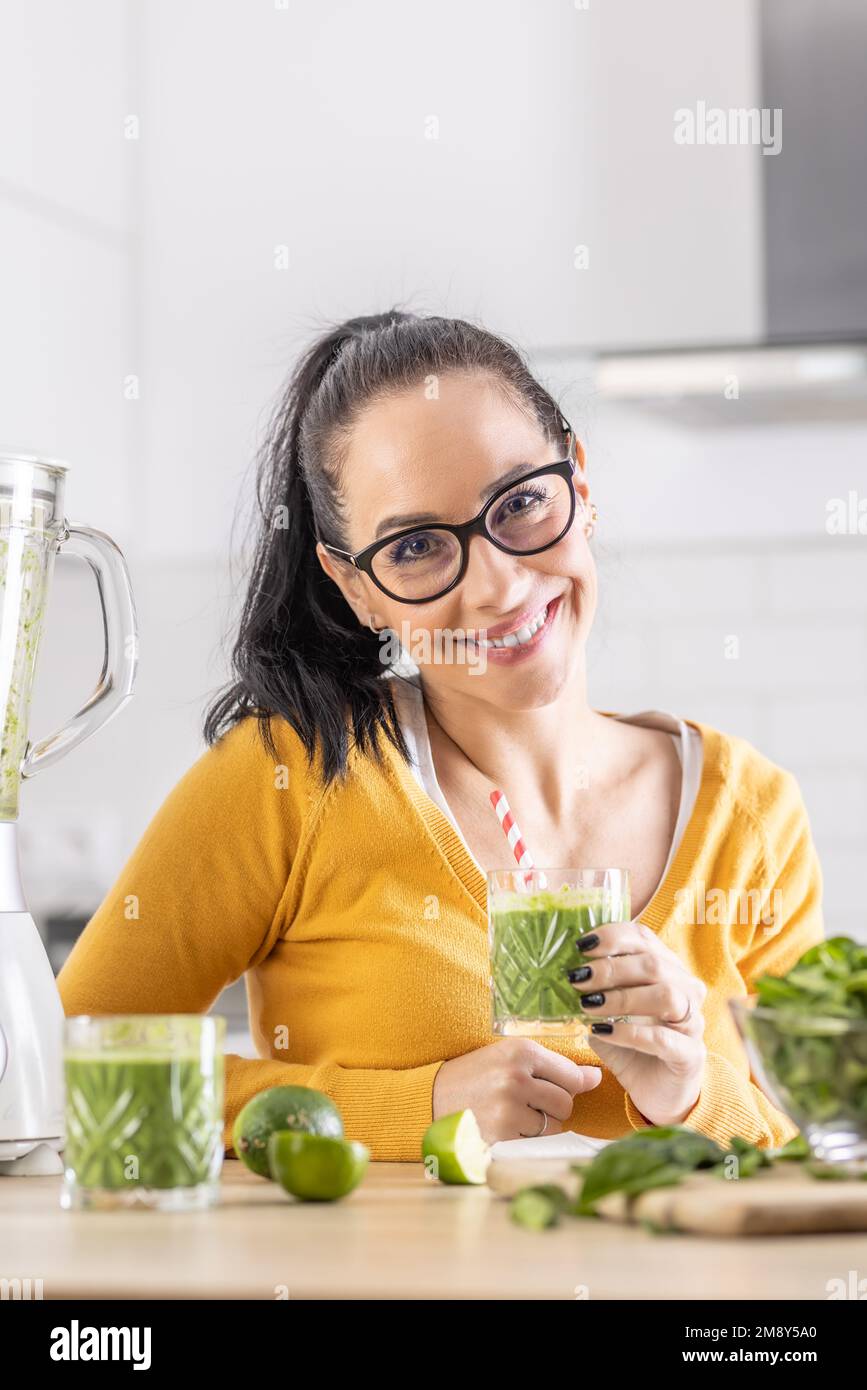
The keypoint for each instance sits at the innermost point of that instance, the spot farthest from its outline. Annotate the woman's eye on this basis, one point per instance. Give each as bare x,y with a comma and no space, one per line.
519,503
417,547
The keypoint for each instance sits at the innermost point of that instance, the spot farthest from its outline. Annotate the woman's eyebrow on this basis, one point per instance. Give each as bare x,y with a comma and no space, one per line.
397,523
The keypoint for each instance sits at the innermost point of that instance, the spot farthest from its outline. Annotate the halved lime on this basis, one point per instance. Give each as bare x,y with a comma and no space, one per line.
457,1147
314,1167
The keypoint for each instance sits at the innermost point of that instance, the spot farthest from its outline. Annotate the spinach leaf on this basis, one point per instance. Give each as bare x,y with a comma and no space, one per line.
797,1148
811,1032
655,1157
749,1157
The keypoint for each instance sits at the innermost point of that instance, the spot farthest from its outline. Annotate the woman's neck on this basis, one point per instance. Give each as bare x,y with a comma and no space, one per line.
537,748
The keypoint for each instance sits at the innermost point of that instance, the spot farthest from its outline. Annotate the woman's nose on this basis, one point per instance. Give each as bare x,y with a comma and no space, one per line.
494,580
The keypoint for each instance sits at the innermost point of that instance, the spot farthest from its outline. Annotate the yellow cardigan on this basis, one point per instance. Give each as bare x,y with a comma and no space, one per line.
358,919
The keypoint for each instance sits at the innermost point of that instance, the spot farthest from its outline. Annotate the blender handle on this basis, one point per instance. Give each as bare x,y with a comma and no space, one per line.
120,631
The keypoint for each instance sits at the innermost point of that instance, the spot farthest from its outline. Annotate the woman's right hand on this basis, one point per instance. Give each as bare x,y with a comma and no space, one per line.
508,1085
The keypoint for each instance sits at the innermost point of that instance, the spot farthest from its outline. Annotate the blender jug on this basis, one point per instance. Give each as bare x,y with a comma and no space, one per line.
33,529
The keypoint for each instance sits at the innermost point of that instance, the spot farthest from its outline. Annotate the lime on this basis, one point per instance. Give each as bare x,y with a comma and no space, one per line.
314,1167
282,1107
457,1147
538,1207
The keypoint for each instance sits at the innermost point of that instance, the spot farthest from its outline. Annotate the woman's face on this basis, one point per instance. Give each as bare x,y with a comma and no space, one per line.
413,457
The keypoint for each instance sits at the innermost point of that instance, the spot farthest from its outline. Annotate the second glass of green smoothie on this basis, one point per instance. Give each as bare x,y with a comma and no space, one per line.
534,919
144,1111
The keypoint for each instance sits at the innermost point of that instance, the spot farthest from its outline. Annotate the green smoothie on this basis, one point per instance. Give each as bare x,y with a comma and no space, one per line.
25,569
135,1119
532,940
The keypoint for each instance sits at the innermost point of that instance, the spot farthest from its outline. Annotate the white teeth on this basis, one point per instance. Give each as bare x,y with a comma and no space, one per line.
523,635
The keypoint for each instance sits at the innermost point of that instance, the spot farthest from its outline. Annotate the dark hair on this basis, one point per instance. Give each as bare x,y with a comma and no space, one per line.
300,652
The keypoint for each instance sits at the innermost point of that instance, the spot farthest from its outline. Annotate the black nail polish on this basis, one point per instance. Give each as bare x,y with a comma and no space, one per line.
602,1028
577,976
592,1001
586,943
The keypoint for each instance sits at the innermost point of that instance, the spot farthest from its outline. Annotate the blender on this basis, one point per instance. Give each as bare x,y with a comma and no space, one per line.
33,529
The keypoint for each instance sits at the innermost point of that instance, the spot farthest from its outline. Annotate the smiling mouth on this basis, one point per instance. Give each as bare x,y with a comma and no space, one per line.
522,636
530,634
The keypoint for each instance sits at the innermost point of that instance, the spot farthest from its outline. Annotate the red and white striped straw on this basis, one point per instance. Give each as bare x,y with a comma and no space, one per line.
513,834
511,831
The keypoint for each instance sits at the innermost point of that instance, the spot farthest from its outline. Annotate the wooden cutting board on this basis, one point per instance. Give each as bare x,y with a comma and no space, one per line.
775,1201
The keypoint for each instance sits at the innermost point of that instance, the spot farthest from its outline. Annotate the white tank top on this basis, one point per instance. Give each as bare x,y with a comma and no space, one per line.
409,704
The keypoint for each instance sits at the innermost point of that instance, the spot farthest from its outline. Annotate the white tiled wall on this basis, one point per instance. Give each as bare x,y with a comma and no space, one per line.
797,689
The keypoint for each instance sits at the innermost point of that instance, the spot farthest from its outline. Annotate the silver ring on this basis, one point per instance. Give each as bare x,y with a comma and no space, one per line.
544,1115
687,1016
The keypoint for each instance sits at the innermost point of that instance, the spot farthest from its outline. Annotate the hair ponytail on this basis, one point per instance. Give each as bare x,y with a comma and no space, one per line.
300,652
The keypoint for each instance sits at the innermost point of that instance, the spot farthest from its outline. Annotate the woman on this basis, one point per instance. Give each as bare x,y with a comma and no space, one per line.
331,842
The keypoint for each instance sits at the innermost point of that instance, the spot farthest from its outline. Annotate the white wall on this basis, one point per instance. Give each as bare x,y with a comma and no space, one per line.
67,341
66,246
307,128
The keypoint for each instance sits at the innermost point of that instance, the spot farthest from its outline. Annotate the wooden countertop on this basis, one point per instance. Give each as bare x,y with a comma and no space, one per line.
399,1235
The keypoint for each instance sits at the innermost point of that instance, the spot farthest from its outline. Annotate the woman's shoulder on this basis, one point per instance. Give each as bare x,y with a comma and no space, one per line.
757,785
244,742
239,765
741,763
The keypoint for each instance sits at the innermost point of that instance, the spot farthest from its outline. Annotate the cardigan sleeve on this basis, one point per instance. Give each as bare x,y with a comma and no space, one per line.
201,900
730,1103
388,1110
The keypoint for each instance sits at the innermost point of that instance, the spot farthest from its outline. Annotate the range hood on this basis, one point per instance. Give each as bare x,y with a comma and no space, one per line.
809,361
809,381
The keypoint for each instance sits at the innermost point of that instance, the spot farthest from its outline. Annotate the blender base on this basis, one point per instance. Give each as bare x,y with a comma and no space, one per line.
40,1161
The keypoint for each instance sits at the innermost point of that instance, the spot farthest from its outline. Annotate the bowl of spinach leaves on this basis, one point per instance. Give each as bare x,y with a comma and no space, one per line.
806,1037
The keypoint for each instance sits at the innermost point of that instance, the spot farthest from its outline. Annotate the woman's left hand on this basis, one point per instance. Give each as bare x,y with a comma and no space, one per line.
659,1063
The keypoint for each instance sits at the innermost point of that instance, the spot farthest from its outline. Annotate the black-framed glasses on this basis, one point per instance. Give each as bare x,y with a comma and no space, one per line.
421,563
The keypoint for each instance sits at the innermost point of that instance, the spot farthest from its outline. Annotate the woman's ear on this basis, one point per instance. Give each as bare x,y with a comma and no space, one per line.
328,564
579,482
348,580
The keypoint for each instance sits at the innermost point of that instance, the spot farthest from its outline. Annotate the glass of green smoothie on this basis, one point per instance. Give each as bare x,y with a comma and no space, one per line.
534,919
144,1111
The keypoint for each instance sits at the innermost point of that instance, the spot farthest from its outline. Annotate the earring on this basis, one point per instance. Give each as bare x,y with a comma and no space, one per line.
371,623
594,517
